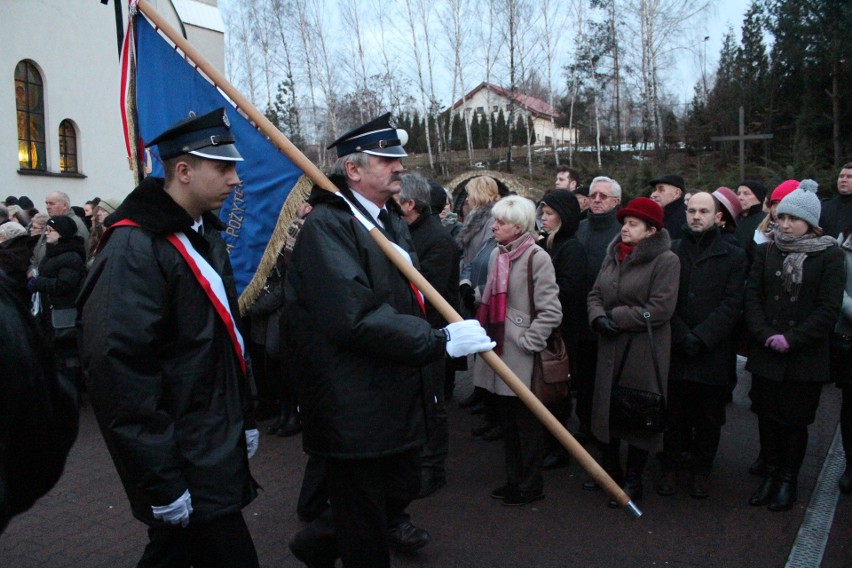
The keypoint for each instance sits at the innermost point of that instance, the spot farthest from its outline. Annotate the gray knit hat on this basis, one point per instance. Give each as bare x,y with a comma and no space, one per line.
802,203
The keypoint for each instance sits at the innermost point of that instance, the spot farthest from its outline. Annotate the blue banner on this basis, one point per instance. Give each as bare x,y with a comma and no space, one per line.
167,89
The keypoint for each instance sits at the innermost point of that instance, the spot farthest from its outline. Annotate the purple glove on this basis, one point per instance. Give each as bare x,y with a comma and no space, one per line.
778,343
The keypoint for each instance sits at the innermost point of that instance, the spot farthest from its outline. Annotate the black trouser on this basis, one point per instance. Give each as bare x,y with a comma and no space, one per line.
434,454
220,543
523,441
846,423
696,416
784,445
584,380
367,497
611,461
313,496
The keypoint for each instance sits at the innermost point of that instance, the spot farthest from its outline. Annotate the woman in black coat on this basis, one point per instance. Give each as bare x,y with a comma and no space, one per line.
792,302
59,280
560,217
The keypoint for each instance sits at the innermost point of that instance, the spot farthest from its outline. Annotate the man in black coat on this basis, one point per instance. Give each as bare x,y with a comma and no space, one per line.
668,192
439,263
362,343
836,213
709,304
165,359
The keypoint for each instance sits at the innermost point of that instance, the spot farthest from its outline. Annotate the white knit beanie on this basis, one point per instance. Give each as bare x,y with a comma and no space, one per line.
802,203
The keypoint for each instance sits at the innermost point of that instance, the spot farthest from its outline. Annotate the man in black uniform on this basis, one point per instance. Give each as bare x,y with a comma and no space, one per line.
165,359
363,344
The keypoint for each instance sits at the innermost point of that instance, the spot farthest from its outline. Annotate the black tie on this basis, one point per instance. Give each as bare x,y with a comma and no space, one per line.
384,217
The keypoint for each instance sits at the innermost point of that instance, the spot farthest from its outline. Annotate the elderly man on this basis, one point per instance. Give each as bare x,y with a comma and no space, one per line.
668,192
836,214
709,304
439,262
58,203
164,357
363,345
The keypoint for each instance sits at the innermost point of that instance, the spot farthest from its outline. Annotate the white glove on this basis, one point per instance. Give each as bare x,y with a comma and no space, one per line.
466,337
176,513
252,441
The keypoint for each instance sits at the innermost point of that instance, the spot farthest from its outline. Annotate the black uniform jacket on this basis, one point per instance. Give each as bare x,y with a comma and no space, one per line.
166,384
359,337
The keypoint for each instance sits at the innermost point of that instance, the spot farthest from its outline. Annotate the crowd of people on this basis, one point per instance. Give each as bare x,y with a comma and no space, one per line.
658,295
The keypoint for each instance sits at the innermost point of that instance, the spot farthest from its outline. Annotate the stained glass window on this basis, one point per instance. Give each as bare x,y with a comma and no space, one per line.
67,147
29,102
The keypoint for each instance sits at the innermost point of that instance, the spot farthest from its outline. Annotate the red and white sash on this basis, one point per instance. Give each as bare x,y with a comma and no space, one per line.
209,280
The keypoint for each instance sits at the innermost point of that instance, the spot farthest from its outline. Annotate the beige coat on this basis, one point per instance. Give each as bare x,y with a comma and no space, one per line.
523,336
647,280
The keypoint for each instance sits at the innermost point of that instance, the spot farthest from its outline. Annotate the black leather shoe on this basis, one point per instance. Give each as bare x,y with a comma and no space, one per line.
845,482
429,484
503,491
591,485
315,545
667,484
495,433
698,486
406,537
764,493
557,459
518,498
634,489
289,428
785,496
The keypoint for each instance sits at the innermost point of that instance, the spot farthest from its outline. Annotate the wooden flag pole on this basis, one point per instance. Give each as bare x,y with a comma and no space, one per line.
319,178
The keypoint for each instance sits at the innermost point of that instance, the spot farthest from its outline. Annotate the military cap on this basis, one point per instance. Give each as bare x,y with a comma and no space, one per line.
379,137
207,136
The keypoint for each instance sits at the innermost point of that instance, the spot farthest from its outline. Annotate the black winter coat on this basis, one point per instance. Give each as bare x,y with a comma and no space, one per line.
709,304
674,218
571,264
359,337
439,262
806,322
166,384
61,273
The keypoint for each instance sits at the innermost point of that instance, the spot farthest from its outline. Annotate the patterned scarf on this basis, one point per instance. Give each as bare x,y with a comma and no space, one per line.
492,310
797,249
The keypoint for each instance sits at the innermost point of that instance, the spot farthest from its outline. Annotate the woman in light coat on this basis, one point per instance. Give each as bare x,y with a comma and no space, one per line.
639,278
506,314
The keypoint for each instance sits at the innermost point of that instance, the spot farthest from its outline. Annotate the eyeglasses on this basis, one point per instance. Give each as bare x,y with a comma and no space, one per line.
599,196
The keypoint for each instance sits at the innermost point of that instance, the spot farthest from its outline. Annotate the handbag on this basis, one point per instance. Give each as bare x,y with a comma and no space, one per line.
632,409
64,322
551,375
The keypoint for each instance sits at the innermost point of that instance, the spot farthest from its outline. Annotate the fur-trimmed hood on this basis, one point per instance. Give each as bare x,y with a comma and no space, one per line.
154,209
474,224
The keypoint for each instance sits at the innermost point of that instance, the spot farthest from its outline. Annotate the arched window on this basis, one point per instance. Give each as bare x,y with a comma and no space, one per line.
67,147
29,101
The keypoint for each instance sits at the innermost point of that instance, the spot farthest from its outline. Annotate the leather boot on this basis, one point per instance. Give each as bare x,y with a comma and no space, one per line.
765,492
785,496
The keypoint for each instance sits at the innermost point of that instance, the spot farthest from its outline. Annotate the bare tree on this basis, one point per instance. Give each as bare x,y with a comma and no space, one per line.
349,10
306,37
427,107
456,30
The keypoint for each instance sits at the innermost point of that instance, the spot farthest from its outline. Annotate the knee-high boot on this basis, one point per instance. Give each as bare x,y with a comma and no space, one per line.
796,443
771,442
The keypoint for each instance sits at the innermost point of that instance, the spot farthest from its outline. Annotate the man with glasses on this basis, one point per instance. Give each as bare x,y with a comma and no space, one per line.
595,233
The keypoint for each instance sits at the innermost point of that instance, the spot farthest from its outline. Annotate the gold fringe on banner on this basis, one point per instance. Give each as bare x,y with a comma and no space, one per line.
276,242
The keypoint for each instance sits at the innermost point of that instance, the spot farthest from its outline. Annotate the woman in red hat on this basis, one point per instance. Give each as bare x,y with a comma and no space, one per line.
637,282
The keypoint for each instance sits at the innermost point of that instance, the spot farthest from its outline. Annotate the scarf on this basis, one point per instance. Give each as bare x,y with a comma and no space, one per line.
623,250
797,249
492,310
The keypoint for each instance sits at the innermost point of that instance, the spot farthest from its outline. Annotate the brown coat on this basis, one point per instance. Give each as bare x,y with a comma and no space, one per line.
523,337
647,280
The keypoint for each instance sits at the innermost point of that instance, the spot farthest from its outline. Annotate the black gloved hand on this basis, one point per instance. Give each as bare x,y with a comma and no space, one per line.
468,297
605,326
691,345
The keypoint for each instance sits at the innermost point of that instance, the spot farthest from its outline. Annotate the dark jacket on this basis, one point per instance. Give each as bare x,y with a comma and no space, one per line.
709,303
61,273
595,233
359,338
439,262
747,225
15,261
836,215
166,384
674,218
571,264
806,321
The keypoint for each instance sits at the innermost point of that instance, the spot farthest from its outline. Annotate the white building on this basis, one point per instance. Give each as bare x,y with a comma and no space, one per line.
60,121
487,98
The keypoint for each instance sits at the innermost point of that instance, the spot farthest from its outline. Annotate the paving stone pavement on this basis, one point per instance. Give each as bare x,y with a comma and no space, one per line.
85,520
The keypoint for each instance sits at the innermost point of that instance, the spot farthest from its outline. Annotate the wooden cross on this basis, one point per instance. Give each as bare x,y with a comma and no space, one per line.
742,138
